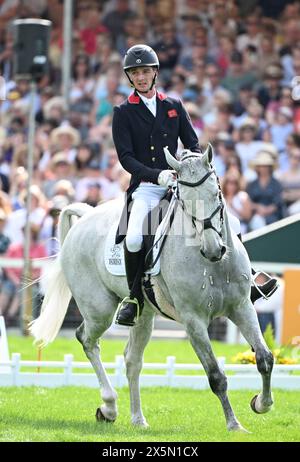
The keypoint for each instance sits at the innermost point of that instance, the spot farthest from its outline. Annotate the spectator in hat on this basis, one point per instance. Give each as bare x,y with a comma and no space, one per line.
64,188
66,139
247,146
265,192
54,109
270,89
60,168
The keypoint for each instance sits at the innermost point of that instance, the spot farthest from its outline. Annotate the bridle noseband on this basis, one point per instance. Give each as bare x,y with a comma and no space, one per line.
207,222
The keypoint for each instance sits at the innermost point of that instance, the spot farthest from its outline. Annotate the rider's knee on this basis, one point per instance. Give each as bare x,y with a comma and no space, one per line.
134,243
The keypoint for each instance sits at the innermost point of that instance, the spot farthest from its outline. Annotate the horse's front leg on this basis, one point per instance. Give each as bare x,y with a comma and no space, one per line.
139,336
197,331
245,318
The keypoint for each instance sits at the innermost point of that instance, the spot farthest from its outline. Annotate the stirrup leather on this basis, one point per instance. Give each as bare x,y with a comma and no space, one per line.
266,297
129,300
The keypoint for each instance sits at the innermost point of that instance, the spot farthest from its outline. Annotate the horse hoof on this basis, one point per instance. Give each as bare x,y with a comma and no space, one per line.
100,417
254,408
252,404
237,428
143,425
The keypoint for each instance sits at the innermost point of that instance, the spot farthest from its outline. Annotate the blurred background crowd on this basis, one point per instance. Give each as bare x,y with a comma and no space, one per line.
234,63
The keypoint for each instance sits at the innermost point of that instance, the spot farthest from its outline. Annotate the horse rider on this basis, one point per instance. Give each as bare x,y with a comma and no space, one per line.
142,126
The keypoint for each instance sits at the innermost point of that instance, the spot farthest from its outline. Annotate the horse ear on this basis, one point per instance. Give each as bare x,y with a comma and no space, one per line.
208,154
174,163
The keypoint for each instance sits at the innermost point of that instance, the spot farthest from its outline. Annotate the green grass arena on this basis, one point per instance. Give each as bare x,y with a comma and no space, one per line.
67,414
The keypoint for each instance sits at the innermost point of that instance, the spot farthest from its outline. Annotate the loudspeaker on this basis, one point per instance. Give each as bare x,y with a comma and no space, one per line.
31,44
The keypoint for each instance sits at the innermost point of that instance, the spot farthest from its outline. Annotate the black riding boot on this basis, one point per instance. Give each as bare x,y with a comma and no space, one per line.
130,308
262,290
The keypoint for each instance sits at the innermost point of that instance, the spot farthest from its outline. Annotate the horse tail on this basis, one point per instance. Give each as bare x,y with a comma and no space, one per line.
58,295
65,218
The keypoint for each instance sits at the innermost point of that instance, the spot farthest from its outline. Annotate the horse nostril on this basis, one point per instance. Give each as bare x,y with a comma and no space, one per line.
223,250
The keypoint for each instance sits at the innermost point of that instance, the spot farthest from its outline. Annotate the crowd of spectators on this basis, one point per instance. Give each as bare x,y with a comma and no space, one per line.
235,64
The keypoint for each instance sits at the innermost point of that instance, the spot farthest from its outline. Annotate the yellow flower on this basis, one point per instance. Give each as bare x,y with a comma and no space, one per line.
247,357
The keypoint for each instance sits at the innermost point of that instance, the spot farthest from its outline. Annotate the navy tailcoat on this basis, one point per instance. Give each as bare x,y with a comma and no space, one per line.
140,137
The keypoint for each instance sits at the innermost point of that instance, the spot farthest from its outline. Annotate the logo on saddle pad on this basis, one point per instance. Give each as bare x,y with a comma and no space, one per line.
115,255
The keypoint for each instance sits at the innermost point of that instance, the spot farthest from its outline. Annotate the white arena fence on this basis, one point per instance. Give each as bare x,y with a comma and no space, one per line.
240,376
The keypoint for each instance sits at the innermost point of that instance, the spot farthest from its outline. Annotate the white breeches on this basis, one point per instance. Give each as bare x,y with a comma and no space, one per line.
145,198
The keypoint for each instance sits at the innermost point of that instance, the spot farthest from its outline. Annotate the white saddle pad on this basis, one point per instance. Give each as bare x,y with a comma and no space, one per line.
114,253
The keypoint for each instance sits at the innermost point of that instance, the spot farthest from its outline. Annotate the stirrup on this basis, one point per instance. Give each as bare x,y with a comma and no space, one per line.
265,296
122,304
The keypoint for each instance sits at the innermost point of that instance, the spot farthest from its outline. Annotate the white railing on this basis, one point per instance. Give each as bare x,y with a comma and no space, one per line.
7,262
242,376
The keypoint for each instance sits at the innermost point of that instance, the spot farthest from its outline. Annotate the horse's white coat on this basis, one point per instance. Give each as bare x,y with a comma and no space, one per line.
196,287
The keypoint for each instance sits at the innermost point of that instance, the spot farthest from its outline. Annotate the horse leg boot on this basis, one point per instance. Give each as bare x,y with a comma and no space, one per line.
130,308
261,290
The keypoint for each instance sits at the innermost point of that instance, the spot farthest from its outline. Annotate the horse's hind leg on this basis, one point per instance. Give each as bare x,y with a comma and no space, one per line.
246,320
198,334
138,338
88,334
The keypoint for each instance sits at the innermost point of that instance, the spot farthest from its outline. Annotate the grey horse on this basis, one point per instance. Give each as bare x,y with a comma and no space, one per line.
201,281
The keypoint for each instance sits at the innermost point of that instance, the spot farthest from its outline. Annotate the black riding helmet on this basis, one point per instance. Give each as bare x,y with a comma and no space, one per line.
140,56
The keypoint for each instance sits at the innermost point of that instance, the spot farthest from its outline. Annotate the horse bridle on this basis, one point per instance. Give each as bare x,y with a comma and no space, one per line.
207,222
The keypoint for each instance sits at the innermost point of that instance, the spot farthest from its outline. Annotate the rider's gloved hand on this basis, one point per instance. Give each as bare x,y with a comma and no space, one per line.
167,178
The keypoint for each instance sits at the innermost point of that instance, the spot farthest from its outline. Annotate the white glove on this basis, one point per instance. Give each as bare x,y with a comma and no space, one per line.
167,178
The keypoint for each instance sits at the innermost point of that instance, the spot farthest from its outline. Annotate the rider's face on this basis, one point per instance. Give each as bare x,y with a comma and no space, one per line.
142,77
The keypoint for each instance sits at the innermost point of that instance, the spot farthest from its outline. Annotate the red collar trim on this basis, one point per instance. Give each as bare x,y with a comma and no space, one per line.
134,99
161,96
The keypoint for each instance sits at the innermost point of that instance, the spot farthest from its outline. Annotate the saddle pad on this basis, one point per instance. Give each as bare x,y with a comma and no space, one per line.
114,253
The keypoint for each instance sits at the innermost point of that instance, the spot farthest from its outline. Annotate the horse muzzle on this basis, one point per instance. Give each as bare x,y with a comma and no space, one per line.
214,258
